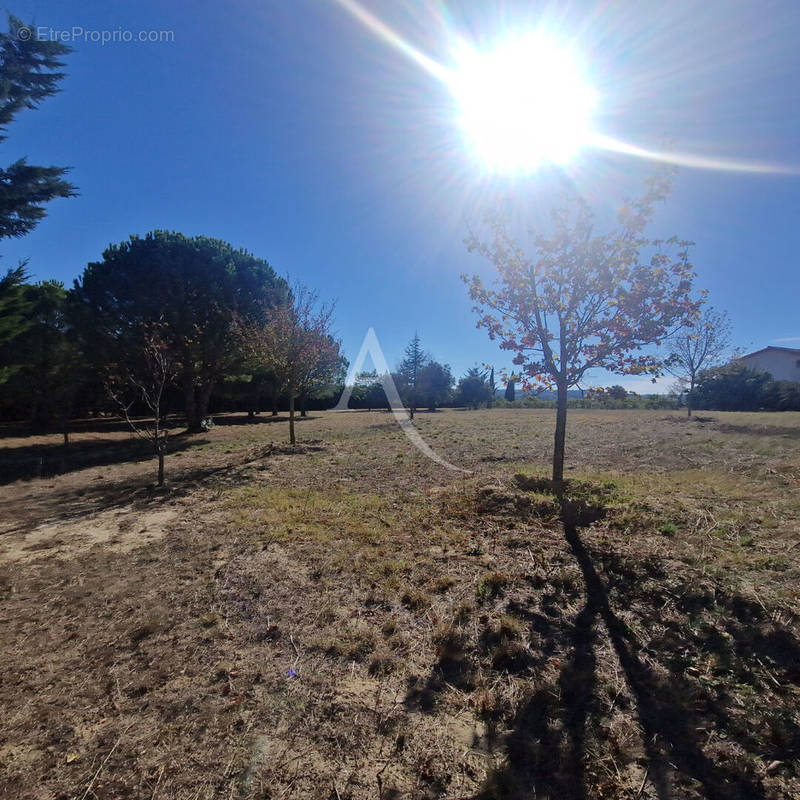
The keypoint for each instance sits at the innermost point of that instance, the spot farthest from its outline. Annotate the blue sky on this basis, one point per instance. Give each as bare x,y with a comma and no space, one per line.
289,129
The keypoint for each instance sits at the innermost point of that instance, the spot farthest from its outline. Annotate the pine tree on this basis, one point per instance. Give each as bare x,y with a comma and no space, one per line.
29,73
13,305
199,289
410,366
473,389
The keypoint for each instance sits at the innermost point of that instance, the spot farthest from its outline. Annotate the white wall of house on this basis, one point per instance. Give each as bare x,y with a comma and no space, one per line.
782,363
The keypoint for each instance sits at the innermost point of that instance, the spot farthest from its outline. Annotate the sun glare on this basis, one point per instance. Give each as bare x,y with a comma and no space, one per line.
522,103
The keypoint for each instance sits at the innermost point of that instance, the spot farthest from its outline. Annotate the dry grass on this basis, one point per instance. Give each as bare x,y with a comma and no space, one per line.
352,621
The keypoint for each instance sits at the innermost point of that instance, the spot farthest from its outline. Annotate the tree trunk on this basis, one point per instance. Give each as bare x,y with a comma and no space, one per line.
160,467
689,398
196,400
274,402
560,435
204,399
190,406
255,398
303,403
292,440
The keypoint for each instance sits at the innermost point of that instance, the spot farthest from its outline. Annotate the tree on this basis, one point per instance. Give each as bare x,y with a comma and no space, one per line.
617,392
511,388
327,369
45,364
294,342
143,378
14,317
29,73
197,289
473,389
408,372
492,387
368,391
584,300
375,396
733,387
697,347
434,382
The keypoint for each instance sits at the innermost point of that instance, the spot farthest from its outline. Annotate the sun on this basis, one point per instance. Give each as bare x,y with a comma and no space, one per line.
523,103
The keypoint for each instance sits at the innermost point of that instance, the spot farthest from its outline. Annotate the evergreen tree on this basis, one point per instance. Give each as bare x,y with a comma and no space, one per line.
199,290
473,389
14,306
415,359
29,73
44,367
434,382
511,389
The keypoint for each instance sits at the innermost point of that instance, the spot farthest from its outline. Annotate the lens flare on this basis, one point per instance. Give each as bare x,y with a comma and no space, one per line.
522,103
527,102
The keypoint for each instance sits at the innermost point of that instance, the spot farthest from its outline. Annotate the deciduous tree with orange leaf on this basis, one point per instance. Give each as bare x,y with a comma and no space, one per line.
296,344
584,299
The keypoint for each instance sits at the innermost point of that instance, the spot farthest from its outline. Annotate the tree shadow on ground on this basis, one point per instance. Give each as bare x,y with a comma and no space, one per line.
669,725
70,502
782,431
99,425
697,741
31,461
455,666
259,419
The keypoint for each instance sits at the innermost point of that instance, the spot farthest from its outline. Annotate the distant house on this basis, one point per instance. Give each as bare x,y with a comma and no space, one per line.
783,363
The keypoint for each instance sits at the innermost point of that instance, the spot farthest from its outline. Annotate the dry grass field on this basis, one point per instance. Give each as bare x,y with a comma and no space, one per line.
350,620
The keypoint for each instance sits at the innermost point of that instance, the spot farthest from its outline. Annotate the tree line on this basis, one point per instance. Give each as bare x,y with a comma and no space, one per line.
163,315
424,382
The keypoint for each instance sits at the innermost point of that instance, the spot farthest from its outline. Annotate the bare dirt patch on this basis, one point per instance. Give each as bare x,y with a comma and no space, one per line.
121,530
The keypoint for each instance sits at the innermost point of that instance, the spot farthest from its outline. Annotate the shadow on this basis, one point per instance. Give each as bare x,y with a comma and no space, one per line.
785,432
546,749
64,503
454,667
27,462
686,420
669,724
702,650
99,425
577,682
259,419
109,425
68,503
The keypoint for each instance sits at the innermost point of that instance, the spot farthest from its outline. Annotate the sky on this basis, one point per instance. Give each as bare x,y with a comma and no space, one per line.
298,132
